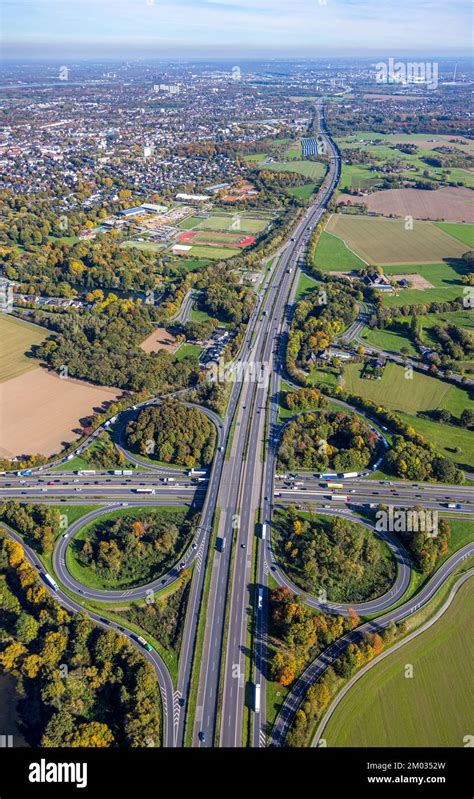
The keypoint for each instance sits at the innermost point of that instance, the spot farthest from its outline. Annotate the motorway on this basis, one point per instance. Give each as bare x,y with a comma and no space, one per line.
243,488
222,682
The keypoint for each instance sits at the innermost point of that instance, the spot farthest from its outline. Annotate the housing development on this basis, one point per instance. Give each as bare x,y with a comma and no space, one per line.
236,439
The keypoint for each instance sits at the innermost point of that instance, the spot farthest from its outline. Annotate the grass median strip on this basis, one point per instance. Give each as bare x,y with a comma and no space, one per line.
190,716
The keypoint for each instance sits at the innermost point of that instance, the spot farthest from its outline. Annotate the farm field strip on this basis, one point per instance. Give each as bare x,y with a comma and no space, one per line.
384,708
386,241
17,339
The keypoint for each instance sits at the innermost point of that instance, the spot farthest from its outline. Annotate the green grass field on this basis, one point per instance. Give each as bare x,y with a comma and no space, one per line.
464,233
325,376
413,165
255,158
445,275
446,439
193,264
187,349
305,284
388,341
214,253
357,176
17,338
386,241
190,222
304,192
333,255
384,708
421,393
309,169
245,224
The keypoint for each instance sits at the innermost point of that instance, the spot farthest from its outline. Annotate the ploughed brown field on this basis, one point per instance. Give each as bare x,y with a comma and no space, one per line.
160,339
39,411
448,204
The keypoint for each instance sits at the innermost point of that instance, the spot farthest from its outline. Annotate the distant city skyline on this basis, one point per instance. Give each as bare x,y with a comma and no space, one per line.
246,28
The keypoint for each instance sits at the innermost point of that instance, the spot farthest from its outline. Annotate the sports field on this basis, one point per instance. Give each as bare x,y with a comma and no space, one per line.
217,237
433,708
17,338
236,223
386,241
394,390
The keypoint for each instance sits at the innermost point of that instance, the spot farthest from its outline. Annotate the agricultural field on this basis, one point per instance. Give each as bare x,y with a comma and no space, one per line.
386,241
333,255
17,339
44,411
422,140
464,233
421,393
385,709
380,147
450,204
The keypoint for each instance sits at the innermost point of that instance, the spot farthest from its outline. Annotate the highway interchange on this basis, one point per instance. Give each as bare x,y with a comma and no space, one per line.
238,496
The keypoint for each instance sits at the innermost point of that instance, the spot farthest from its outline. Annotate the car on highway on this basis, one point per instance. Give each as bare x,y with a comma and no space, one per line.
202,736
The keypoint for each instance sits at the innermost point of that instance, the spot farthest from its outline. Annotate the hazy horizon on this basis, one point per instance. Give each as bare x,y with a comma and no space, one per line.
87,29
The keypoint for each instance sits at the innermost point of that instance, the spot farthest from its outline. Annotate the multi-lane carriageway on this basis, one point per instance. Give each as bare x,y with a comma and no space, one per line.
240,486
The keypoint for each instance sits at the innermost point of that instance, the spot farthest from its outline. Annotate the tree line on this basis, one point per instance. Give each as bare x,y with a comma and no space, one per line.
79,685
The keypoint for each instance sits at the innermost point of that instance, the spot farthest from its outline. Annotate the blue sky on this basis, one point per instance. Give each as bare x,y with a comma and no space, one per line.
230,27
